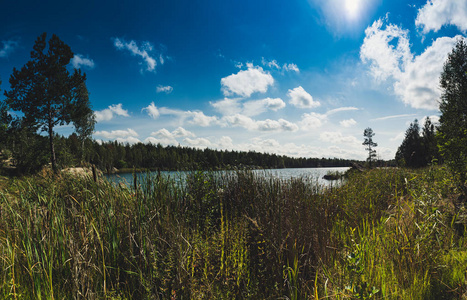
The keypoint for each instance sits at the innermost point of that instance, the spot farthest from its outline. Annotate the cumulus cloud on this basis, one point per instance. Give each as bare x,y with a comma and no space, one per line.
312,121
108,113
301,99
229,107
182,132
79,61
117,133
338,138
247,82
165,89
165,137
437,13
256,107
348,123
198,143
415,78
152,110
7,48
418,86
144,51
248,123
192,117
379,51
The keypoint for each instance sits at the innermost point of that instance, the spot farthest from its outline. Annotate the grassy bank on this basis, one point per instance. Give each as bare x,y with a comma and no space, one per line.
390,233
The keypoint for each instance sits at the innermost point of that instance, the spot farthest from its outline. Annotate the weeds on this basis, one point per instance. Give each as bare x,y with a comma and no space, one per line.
384,234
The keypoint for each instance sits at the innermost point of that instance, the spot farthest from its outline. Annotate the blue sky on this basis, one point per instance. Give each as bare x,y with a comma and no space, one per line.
298,77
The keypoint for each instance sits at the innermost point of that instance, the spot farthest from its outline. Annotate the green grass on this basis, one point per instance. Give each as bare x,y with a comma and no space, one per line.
385,234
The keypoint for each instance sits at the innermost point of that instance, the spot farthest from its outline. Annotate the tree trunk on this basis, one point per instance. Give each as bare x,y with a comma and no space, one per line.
52,149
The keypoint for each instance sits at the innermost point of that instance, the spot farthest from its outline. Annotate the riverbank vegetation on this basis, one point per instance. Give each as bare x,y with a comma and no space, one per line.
385,234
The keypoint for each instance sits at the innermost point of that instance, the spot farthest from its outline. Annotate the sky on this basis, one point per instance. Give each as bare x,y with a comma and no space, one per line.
301,78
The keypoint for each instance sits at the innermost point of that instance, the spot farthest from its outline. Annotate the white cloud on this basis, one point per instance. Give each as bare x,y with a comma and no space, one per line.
225,142
418,86
199,118
142,51
399,137
248,123
108,113
129,140
192,117
228,107
239,120
301,99
437,13
312,121
165,137
198,143
8,47
79,61
378,50
182,132
256,107
393,117
291,67
338,138
273,125
415,78
117,133
247,82
348,123
341,109
273,64
152,110
166,89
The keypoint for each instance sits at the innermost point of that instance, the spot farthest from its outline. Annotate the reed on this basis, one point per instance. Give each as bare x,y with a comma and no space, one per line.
384,234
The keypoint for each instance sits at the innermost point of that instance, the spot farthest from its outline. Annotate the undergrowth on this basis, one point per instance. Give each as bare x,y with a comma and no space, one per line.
384,234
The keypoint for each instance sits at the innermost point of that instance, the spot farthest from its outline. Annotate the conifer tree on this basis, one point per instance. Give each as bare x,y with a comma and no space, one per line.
45,91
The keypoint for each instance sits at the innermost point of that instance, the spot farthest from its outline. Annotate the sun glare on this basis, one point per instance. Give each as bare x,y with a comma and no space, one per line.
352,8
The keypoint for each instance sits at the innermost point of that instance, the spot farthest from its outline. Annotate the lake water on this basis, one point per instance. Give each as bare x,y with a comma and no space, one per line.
310,174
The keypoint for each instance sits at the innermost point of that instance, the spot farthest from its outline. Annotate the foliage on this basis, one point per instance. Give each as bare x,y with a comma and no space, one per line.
385,234
418,150
45,91
156,157
370,145
453,107
5,120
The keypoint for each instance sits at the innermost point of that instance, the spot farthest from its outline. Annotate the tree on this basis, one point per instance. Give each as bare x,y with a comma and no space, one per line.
452,131
410,152
429,142
368,142
83,117
5,120
45,91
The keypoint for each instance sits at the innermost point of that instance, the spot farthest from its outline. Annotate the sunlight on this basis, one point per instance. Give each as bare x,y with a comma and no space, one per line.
352,8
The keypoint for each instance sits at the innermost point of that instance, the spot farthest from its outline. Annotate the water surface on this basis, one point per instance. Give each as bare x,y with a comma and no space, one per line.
309,174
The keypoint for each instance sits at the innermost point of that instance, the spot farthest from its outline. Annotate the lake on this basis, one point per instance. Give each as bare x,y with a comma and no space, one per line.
310,174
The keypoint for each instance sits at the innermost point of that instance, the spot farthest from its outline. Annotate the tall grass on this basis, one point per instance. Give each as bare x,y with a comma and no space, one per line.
385,234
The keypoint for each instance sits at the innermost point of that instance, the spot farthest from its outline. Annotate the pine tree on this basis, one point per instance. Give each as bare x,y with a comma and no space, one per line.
45,91
370,145
453,106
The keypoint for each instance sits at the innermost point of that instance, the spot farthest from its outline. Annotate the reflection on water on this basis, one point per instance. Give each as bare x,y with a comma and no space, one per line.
313,175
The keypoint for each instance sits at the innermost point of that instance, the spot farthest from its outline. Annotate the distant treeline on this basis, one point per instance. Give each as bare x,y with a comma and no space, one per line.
108,155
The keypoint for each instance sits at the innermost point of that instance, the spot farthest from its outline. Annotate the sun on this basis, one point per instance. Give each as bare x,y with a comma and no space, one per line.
353,8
